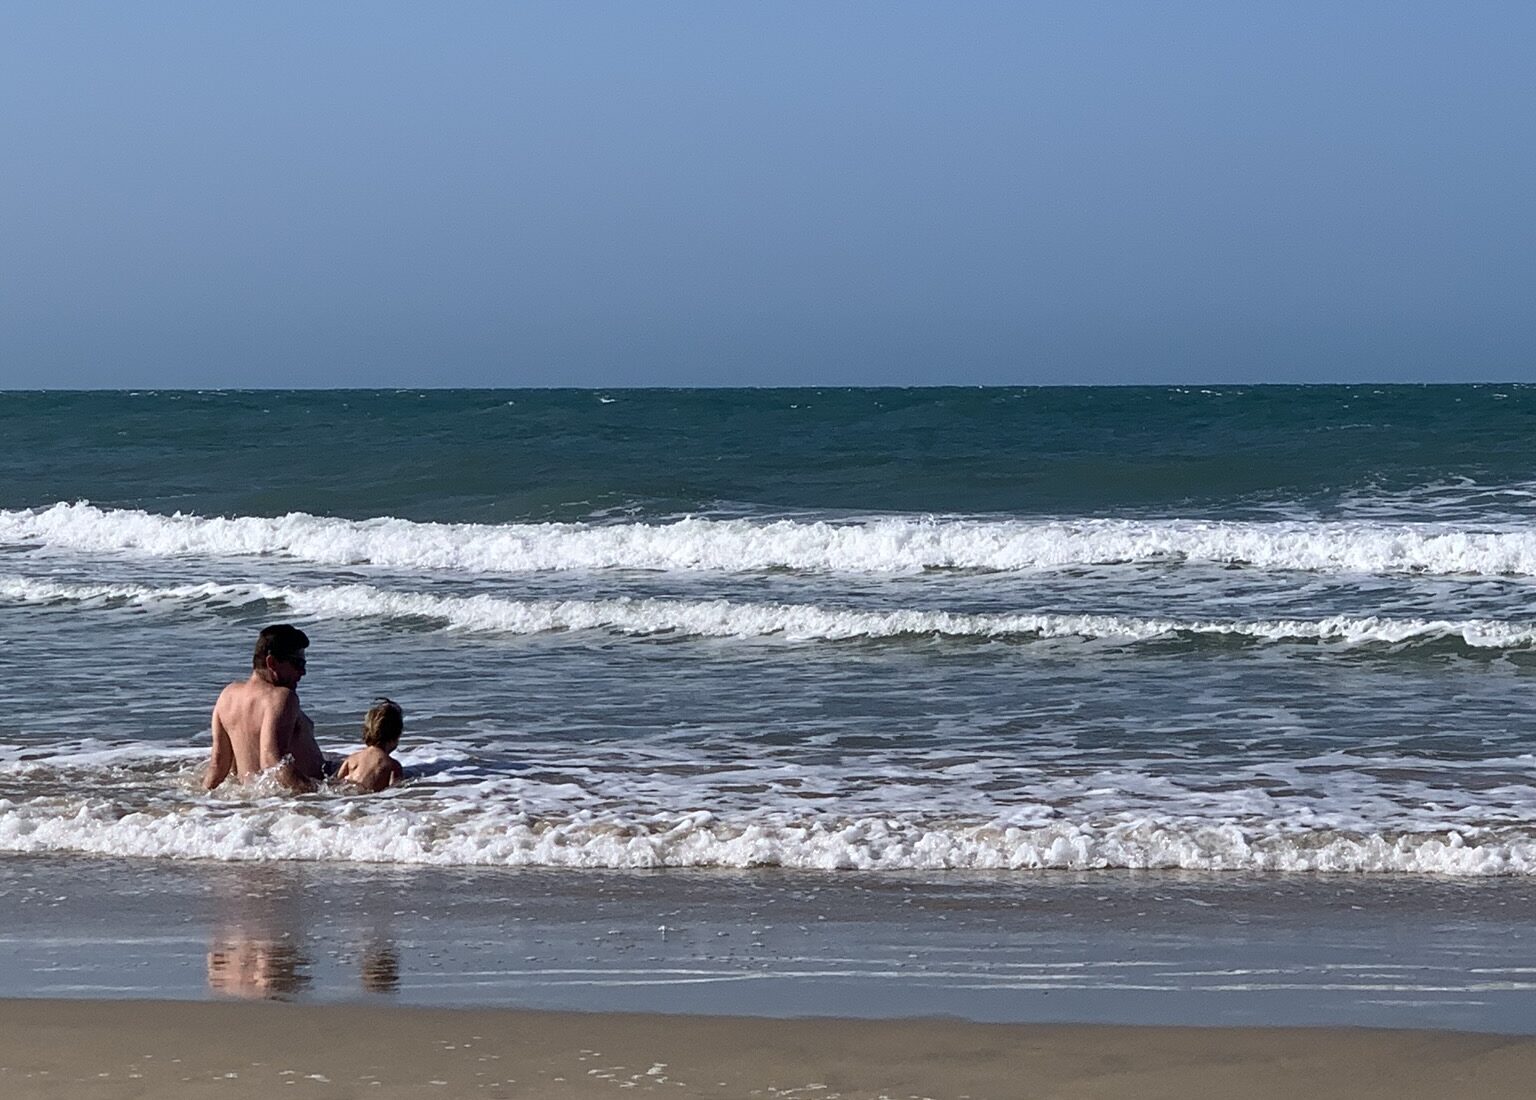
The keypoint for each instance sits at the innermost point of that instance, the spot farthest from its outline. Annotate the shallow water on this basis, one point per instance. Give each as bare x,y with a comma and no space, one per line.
1097,947
1255,630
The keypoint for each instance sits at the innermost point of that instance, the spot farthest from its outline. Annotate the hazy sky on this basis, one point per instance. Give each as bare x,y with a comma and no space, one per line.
567,193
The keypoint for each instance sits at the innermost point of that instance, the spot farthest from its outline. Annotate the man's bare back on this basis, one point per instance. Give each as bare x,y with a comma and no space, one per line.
258,724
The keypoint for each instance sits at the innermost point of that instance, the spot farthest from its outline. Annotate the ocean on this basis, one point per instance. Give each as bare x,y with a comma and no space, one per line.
898,637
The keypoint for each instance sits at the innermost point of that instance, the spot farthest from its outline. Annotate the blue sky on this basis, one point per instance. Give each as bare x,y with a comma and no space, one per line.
569,193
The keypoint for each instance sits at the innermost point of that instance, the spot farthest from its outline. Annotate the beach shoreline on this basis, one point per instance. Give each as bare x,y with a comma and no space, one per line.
120,1049
838,726
1112,948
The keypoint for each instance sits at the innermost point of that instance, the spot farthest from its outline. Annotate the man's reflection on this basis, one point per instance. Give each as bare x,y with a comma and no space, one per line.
259,968
264,941
257,949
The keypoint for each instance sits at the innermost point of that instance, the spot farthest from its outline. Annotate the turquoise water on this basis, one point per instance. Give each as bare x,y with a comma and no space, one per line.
567,455
1232,629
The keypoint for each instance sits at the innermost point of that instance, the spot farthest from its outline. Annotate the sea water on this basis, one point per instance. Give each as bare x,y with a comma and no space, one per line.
1249,629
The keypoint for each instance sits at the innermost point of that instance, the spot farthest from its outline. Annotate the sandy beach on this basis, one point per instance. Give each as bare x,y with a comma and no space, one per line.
51,1048
1216,790
986,552
208,980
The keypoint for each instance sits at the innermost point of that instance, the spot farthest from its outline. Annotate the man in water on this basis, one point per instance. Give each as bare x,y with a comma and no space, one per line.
258,725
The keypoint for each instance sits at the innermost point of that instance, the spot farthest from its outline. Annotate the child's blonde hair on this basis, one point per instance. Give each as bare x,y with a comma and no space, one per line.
383,724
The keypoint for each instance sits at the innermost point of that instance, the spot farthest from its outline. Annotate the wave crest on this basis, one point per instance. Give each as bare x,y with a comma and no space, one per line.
272,830
721,618
892,544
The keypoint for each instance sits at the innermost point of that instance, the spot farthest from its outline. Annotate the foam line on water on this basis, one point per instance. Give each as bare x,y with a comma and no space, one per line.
639,806
733,619
882,545
386,832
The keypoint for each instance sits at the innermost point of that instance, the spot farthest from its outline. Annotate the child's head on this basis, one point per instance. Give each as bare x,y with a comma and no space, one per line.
383,724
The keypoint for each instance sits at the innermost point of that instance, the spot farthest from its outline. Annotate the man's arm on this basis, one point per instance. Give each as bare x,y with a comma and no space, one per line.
277,731
222,757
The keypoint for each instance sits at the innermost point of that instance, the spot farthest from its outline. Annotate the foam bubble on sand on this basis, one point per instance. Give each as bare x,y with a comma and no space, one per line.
893,544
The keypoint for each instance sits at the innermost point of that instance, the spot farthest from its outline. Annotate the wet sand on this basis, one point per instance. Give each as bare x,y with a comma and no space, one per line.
110,1049
1146,949
207,980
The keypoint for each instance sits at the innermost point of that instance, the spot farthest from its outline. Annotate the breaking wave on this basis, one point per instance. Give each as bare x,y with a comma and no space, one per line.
274,829
882,545
634,806
721,618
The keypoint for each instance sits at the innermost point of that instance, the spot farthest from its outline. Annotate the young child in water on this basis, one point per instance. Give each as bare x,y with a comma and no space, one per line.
371,768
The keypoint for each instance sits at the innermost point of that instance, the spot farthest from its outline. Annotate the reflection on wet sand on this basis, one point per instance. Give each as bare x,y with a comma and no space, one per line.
256,968
259,947
379,969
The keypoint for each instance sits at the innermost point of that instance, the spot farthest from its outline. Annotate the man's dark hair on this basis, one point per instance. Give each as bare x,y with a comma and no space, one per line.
281,642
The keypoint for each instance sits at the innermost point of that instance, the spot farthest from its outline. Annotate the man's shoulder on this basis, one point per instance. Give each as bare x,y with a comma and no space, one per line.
258,691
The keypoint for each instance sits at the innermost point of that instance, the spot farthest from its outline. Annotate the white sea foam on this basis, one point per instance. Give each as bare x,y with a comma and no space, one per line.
892,545
278,829
635,806
732,619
